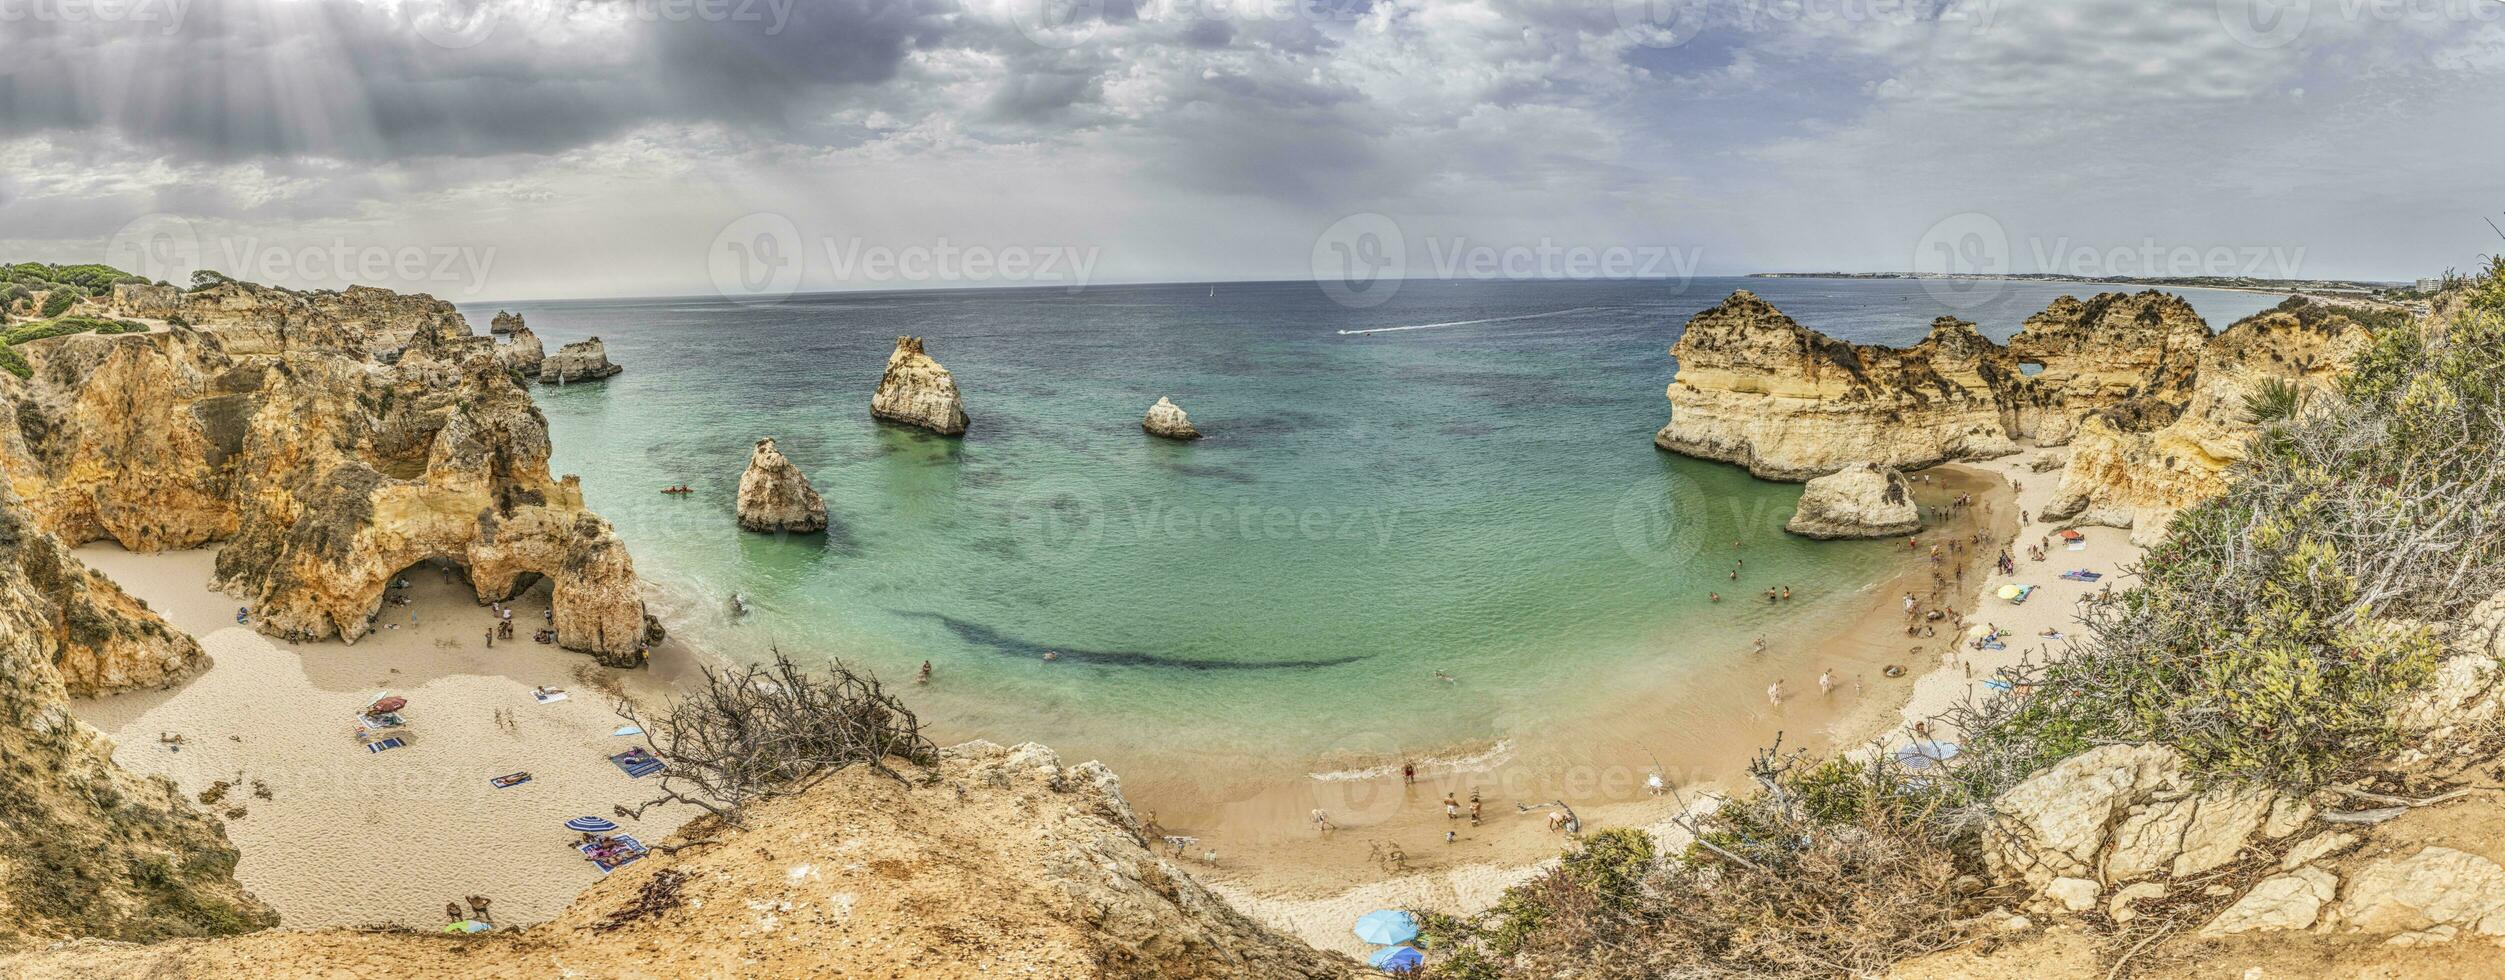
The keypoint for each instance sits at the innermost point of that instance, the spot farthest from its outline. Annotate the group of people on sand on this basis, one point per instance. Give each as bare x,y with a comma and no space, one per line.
477,912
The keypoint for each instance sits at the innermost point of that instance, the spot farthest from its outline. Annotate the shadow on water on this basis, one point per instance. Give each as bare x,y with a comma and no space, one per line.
984,636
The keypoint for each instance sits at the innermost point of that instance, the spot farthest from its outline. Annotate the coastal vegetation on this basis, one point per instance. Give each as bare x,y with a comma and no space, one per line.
2272,635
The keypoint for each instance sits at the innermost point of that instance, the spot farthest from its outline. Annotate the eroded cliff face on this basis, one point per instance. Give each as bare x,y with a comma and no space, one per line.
85,848
1006,862
324,471
582,360
1789,403
2136,463
917,391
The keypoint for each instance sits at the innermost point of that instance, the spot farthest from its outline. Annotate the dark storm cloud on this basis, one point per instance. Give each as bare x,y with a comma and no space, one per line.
235,79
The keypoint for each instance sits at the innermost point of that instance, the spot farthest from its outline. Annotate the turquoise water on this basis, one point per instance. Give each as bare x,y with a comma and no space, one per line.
1480,499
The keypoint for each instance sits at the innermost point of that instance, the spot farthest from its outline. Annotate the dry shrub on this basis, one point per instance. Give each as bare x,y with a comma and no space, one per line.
765,730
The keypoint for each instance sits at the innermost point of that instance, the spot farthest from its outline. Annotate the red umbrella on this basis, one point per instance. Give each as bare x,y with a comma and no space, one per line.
388,704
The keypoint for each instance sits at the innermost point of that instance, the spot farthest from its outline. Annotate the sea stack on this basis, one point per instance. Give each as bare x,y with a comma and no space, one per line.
505,322
521,350
917,391
582,360
775,496
1864,500
1167,419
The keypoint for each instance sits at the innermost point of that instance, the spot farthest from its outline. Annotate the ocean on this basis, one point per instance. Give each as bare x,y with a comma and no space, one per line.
1395,542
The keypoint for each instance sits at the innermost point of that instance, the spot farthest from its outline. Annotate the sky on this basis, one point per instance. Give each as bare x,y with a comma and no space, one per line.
532,149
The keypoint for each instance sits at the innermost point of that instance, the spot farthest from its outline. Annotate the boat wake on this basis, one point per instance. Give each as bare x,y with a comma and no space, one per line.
1465,323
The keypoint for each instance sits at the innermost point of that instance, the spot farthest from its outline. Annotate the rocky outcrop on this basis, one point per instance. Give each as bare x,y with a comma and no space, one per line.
2120,814
1755,388
85,848
504,322
323,473
2135,463
1168,420
582,360
381,320
145,301
1865,500
521,350
1003,862
917,391
775,496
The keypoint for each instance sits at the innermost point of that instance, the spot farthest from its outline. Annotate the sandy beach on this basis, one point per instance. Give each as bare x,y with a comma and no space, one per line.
347,837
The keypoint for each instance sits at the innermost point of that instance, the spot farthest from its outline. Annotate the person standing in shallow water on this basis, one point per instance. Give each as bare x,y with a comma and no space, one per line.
1408,773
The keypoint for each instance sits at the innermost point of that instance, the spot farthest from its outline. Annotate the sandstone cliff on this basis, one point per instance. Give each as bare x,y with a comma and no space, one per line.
775,496
521,350
323,472
85,848
2137,462
1167,419
504,322
917,391
1860,501
1006,863
582,360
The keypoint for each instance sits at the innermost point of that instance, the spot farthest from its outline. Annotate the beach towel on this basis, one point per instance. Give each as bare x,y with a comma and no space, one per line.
628,730
510,779
633,851
1994,643
636,764
385,745
2082,575
548,697
2077,545
1996,684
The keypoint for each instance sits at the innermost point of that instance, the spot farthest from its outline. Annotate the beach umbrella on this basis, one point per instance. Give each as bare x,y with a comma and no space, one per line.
1925,754
2072,536
1396,959
394,703
2011,591
590,825
1387,926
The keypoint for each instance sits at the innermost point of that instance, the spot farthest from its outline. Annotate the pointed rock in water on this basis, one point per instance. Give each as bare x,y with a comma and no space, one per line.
1861,501
917,391
1165,418
582,360
521,350
505,322
775,496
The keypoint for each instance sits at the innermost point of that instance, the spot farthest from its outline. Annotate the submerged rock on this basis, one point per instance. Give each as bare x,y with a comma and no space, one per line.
582,360
1165,418
1865,500
775,496
916,390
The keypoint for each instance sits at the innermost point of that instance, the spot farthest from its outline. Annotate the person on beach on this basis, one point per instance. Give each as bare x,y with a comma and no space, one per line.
925,676
1051,655
1408,773
1774,693
1787,593
1735,575
1826,681
1713,597
491,638
1653,784
1452,807
452,913
1770,594
1322,821
1761,646
478,909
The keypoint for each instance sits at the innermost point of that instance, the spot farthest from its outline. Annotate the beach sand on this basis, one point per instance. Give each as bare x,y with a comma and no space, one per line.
349,837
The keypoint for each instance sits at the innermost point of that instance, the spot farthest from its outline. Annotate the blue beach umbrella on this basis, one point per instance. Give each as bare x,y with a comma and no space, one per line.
1396,959
1387,926
590,825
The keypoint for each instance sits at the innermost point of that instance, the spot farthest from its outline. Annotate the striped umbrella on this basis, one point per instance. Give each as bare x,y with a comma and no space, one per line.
590,825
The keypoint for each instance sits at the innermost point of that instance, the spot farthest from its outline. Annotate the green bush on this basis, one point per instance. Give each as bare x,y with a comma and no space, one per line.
58,302
65,326
15,363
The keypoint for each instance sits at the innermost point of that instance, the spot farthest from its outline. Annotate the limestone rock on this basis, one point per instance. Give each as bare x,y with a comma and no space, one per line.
916,390
775,496
150,302
2058,822
2289,901
521,350
1863,500
2120,907
2437,886
2073,894
91,850
2314,848
582,360
1167,419
504,322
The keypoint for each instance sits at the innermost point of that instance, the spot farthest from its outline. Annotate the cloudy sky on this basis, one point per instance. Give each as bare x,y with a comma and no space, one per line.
494,149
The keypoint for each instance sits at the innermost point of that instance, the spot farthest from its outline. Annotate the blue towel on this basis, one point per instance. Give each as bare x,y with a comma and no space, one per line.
384,745
1996,684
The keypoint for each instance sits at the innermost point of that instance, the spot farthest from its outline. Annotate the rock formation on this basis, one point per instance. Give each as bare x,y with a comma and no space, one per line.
582,360
323,472
521,349
85,848
2135,463
1864,500
1007,862
504,322
775,496
1167,419
917,391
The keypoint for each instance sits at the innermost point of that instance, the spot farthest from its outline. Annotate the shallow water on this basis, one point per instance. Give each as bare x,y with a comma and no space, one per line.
1480,499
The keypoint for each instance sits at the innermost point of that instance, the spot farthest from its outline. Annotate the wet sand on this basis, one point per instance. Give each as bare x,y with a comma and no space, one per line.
349,837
